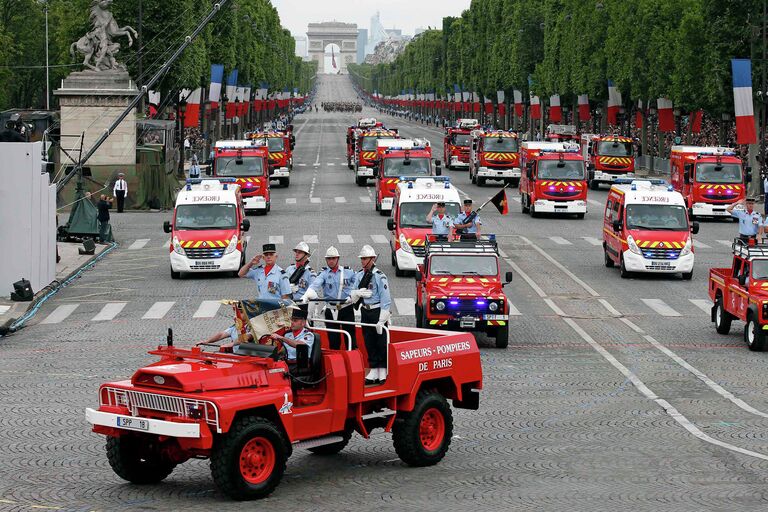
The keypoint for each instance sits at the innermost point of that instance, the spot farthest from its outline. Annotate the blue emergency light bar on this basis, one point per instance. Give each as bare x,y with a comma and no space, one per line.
564,150
197,181
628,181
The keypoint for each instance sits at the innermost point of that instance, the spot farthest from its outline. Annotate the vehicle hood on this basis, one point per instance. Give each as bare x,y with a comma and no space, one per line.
659,239
204,238
416,237
192,376
464,286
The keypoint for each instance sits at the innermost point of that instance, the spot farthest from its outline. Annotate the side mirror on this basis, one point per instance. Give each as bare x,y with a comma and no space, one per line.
167,226
743,279
694,227
391,224
293,145
245,225
302,356
418,275
617,225
508,277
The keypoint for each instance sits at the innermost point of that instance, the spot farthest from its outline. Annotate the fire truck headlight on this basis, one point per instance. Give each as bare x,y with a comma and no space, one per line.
404,245
632,245
177,248
687,249
440,306
232,245
493,306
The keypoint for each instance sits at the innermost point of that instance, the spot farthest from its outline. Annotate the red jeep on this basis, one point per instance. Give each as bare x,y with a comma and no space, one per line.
460,287
247,412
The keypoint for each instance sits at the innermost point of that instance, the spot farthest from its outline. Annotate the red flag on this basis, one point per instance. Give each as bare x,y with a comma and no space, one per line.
696,121
500,201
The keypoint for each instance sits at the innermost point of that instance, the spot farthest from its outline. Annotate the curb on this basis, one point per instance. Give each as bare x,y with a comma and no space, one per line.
14,324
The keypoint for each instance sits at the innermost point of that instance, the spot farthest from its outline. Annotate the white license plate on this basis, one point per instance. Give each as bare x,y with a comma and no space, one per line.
661,264
202,263
365,173
467,322
132,423
495,317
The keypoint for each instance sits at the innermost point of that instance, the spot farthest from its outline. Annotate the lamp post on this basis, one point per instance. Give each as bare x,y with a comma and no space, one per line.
182,139
44,3
224,100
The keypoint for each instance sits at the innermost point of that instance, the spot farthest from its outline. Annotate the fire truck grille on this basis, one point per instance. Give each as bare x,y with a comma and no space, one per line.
419,251
661,254
611,166
716,197
204,253
564,193
182,407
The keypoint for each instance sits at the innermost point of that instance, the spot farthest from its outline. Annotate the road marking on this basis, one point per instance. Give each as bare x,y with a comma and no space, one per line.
138,244
364,199
60,313
345,239
562,268
607,305
301,165
727,243
513,311
158,310
379,239
704,305
698,244
276,239
516,199
340,199
595,203
406,307
592,240
3,309
660,307
330,164
311,239
109,311
207,309
315,200
560,241
290,200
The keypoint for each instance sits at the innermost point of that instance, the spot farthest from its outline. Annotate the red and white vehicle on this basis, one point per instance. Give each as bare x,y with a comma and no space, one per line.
408,225
646,229
366,152
494,155
457,142
280,146
553,179
608,158
710,178
248,162
248,412
208,228
561,133
352,133
398,158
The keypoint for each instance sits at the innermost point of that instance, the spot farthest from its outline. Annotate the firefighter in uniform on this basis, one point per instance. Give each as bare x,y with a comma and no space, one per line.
467,222
372,290
271,280
300,274
335,282
441,222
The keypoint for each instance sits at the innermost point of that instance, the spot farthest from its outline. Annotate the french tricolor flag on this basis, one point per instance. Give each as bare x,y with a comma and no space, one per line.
742,101
584,112
535,107
614,102
555,111
192,112
518,99
666,116
231,93
217,78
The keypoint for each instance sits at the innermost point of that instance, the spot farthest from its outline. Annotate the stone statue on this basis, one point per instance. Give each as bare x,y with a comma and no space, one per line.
97,45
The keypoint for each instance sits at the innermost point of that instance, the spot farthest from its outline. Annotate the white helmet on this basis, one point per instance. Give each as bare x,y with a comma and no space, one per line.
332,252
303,247
367,252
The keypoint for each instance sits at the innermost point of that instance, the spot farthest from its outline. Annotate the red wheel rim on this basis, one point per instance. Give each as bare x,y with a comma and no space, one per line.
432,429
257,460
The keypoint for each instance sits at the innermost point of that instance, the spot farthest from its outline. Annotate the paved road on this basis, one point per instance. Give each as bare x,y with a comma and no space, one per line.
613,395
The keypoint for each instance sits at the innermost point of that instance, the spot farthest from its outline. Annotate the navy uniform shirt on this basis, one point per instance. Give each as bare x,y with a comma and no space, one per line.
304,335
334,285
273,285
461,218
304,281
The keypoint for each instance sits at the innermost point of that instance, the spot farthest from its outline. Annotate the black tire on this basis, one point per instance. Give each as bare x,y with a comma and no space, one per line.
580,215
284,182
419,317
594,185
175,275
398,271
138,459
392,257
753,332
609,263
431,418
229,449
361,181
532,211
472,177
480,181
502,336
723,318
269,206
687,276
512,182
623,272
377,205
334,448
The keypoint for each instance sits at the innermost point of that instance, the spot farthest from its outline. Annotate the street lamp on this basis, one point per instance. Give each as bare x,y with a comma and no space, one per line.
44,3
182,138
224,101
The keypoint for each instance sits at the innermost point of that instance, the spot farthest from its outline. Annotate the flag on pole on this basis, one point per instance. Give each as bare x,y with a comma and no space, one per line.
742,101
499,97
535,107
614,102
666,116
639,114
555,111
500,201
217,77
584,111
154,103
231,93
518,98
261,317
695,120
192,112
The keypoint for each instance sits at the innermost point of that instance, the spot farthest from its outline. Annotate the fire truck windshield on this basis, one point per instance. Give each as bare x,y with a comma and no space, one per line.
460,139
565,170
372,143
455,265
656,217
398,167
501,145
275,143
608,148
760,269
206,216
414,215
248,166
718,173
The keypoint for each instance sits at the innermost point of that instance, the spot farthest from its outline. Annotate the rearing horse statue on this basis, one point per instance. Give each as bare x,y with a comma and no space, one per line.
97,44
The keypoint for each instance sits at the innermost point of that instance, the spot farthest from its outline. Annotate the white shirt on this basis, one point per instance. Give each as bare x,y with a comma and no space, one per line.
120,184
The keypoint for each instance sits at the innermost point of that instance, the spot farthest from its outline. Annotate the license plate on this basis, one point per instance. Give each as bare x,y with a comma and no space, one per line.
202,263
132,423
661,264
495,317
365,173
467,322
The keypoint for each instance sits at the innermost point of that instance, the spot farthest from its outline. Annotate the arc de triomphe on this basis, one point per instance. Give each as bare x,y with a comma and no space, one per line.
344,35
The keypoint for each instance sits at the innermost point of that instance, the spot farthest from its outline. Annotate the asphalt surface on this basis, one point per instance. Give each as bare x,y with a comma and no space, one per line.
613,394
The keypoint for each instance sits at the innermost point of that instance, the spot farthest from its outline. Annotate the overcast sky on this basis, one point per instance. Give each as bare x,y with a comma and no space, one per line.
403,14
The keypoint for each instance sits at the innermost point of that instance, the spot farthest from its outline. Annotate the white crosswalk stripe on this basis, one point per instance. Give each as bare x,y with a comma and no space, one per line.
594,203
698,244
726,243
592,240
4,309
158,310
704,305
513,311
276,239
345,239
207,309
379,239
301,165
60,313
109,312
405,307
660,307
311,239
138,244
365,199
516,199
290,200
560,241
331,164
315,200
340,199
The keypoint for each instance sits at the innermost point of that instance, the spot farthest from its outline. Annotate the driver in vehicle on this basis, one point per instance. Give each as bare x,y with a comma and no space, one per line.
297,335
231,333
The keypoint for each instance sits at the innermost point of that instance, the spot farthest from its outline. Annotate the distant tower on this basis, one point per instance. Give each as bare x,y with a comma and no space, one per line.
378,34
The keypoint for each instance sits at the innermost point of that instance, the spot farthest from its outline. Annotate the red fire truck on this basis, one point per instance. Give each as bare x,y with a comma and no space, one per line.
366,155
248,411
494,155
398,158
608,158
561,133
710,178
457,142
248,162
280,146
553,179
352,134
